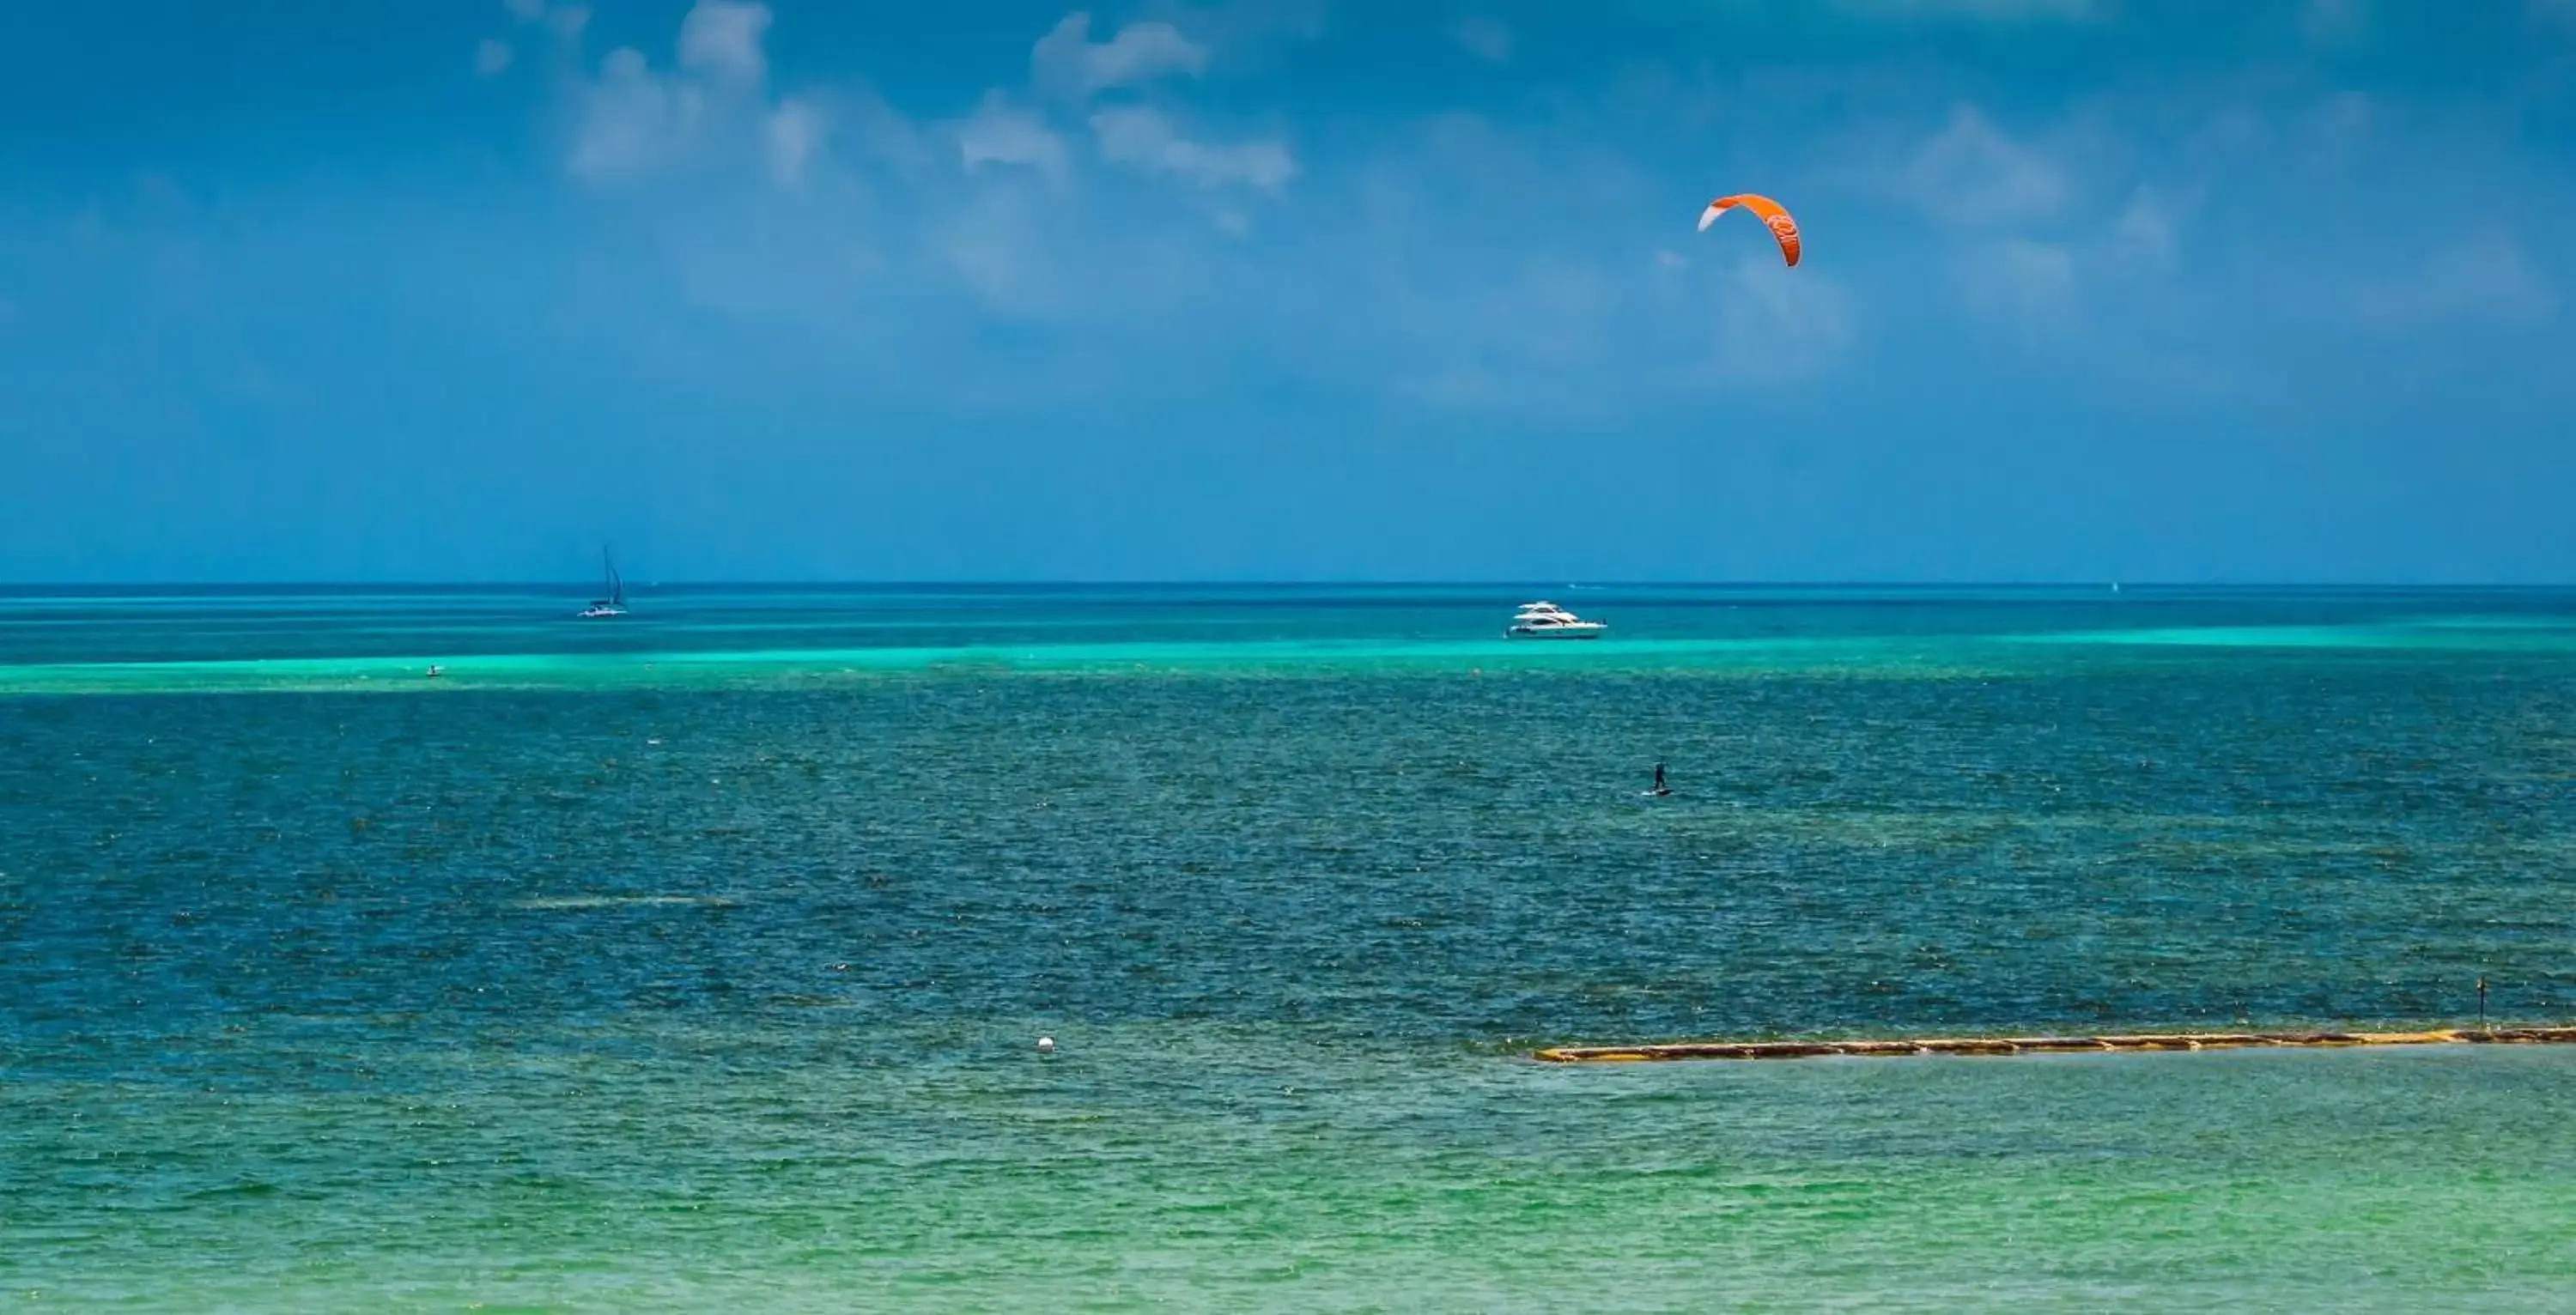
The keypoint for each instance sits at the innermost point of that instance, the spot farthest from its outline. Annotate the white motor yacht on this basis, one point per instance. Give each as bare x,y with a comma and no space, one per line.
1546,620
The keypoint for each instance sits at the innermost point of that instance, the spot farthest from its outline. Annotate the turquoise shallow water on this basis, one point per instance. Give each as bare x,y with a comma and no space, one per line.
695,962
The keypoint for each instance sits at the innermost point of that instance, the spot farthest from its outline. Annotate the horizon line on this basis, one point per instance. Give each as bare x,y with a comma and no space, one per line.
572,586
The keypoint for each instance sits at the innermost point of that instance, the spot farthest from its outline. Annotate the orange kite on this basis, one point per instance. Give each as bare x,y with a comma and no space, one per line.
1782,226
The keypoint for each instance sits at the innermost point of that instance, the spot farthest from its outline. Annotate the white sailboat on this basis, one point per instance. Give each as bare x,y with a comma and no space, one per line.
615,603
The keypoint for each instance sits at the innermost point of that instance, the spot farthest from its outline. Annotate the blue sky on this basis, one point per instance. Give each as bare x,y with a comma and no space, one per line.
1288,289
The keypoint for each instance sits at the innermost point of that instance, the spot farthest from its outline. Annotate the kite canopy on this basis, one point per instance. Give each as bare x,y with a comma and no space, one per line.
1782,226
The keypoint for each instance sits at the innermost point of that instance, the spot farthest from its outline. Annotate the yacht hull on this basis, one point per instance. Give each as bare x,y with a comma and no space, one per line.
1579,630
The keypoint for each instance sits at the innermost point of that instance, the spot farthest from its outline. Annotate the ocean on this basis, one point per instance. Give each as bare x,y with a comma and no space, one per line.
696,959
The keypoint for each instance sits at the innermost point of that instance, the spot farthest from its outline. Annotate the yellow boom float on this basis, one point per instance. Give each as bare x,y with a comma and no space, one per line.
2051,1045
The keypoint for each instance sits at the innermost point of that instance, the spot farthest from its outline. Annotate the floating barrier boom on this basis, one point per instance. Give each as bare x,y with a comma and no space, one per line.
2051,1045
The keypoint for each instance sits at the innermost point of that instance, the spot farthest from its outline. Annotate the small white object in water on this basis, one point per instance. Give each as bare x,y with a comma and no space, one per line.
1046,1045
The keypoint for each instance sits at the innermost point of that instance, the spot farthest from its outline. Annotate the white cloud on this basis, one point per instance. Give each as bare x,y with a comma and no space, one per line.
2338,131
1524,313
712,111
491,57
723,37
2486,280
566,20
631,120
1001,133
2333,22
996,244
1145,140
1574,341
1776,325
2017,278
1972,173
790,137
1511,332
947,229
163,193
1067,62
2111,266
1485,38
1980,11
2143,237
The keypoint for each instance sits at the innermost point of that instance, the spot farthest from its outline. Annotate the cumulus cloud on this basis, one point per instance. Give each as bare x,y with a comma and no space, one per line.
491,57
723,37
713,109
995,245
969,230
1067,62
2048,283
1485,38
2143,237
2338,130
1145,139
789,138
631,120
1981,11
1776,325
2017,278
2333,22
2486,280
1970,172
1002,133
1570,333
566,20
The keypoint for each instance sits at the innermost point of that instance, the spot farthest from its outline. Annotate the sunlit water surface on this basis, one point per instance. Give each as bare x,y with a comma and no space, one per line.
696,959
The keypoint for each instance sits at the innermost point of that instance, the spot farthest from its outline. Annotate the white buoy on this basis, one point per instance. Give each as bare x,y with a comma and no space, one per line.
1046,1045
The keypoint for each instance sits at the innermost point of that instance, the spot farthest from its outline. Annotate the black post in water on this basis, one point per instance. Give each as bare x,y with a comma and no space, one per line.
2482,1004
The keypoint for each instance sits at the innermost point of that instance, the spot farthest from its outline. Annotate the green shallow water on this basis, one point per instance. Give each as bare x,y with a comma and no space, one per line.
1158,1166
698,964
